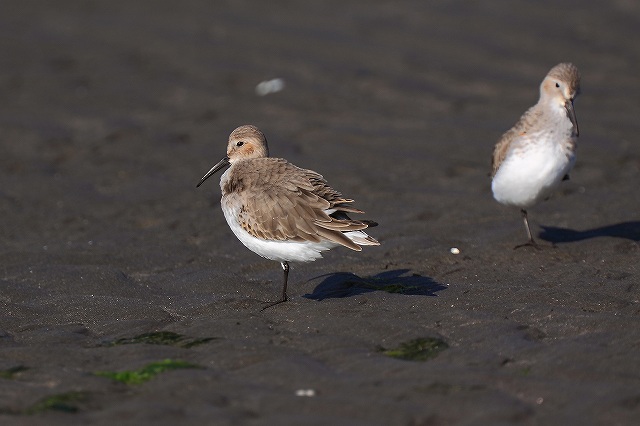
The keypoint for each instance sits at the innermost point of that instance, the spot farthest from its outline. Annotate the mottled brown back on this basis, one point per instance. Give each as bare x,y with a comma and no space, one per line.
283,202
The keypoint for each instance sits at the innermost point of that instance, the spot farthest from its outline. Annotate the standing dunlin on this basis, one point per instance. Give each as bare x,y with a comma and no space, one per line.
536,154
279,211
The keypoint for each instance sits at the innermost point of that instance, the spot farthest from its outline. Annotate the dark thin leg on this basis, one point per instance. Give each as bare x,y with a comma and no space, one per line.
285,268
531,242
526,225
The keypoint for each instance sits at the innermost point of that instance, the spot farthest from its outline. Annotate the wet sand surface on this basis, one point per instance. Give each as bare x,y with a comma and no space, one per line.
111,113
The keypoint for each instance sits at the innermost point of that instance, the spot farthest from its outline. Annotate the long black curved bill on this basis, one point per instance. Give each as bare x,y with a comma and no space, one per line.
221,165
571,113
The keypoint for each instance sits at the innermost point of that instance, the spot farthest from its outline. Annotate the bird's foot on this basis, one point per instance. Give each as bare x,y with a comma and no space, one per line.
284,299
530,243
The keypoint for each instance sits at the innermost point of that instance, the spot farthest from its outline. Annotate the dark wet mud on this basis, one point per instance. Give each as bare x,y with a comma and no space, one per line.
113,265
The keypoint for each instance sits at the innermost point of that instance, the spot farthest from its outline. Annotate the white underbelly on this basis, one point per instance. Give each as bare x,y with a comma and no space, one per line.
281,251
529,176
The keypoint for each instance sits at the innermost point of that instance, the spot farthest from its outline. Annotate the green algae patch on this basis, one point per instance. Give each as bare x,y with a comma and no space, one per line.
67,402
148,372
195,342
10,373
168,338
421,349
525,371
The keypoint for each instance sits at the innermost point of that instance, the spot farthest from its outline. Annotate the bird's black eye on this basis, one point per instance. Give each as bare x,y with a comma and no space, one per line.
240,143
557,84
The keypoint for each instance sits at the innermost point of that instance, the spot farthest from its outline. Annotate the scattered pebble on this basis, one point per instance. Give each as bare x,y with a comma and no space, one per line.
306,392
455,250
269,86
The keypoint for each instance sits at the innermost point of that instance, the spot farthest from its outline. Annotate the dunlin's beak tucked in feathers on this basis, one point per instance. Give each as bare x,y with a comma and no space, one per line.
221,165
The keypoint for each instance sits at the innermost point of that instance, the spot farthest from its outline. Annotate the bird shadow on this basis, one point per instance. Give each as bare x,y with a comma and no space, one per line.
346,284
628,230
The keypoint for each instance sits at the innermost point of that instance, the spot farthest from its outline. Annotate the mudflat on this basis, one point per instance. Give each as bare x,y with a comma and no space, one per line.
125,298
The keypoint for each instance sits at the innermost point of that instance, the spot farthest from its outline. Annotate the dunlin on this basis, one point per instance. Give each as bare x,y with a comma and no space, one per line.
536,154
279,211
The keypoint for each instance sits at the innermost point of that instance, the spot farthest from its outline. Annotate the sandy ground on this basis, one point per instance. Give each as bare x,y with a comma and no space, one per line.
111,113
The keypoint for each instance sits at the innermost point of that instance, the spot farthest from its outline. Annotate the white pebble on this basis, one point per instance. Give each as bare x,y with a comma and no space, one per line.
269,86
306,392
455,250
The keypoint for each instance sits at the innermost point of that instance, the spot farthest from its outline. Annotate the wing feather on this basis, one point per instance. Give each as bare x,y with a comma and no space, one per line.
283,202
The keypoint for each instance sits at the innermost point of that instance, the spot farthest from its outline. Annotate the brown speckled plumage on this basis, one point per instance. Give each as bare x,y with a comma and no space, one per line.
280,211
283,202
537,153
533,118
